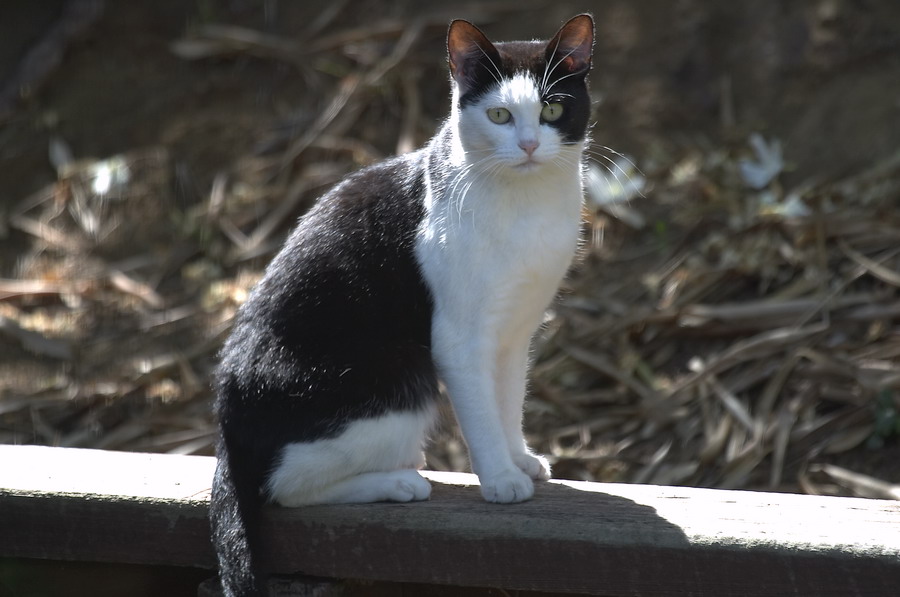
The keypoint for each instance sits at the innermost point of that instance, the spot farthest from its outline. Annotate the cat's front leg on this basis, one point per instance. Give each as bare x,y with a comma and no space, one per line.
467,361
511,384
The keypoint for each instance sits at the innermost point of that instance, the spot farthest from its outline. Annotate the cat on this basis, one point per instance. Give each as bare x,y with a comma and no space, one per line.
431,267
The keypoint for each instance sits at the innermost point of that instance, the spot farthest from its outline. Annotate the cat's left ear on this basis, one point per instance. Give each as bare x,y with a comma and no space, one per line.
571,47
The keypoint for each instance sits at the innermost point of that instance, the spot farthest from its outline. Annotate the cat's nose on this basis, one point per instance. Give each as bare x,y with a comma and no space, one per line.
528,145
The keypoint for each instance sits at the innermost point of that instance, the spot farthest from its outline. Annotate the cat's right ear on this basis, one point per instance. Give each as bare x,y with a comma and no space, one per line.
470,54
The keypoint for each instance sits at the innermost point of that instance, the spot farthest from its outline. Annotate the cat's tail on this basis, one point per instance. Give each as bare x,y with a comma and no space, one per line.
234,514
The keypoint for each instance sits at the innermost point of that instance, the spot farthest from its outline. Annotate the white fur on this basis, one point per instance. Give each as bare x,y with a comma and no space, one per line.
493,251
481,138
371,460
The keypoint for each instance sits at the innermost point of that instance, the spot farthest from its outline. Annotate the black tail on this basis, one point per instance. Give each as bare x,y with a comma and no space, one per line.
234,514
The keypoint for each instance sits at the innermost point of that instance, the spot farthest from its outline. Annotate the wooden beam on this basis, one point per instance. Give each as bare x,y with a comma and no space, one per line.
572,537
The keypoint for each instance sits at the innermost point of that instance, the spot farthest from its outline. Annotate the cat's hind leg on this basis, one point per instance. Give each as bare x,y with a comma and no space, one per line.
371,460
405,485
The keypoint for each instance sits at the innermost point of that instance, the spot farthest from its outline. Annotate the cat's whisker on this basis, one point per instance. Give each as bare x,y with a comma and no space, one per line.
492,166
631,182
488,150
613,192
453,186
558,165
624,157
498,76
553,96
567,165
562,78
548,70
558,62
618,190
457,197
574,163
571,157
461,198
613,173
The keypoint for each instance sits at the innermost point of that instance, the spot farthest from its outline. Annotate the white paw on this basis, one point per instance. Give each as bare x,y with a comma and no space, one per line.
406,486
507,487
533,465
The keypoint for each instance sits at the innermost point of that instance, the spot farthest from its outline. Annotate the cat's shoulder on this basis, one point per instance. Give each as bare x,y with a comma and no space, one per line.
400,174
384,194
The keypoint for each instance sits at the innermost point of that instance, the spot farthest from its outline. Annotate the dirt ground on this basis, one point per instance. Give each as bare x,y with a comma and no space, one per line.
213,140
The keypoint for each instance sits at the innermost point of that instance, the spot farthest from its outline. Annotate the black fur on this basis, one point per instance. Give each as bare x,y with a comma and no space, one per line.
339,328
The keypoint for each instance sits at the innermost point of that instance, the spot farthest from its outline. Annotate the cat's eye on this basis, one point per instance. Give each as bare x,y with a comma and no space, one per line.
499,115
551,112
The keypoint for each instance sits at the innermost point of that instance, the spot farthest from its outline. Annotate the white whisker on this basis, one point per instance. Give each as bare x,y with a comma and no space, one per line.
547,70
612,172
558,62
631,182
609,188
499,75
467,176
562,79
623,156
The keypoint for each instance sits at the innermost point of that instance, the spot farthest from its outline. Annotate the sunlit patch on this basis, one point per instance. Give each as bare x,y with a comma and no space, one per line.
521,89
109,174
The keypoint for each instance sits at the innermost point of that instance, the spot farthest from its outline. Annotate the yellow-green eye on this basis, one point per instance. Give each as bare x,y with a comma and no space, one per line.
499,115
551,112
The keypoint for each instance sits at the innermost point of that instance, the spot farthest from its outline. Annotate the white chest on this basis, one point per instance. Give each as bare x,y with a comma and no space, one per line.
499,251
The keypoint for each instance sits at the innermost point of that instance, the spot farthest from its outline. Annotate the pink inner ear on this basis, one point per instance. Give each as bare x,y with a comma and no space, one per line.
463,42
575,39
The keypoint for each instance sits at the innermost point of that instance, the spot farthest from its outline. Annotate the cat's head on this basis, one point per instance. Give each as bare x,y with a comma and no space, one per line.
524,105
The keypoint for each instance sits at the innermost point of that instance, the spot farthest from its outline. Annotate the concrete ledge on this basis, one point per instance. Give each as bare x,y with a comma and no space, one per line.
574,537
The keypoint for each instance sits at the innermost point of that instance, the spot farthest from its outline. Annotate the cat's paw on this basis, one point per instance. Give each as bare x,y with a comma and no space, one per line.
507,487
533,465
406,486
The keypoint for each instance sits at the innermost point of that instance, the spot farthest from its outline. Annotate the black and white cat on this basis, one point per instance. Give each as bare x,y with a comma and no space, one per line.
435,265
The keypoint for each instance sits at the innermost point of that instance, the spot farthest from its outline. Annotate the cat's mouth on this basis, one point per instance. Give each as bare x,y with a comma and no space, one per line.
529,164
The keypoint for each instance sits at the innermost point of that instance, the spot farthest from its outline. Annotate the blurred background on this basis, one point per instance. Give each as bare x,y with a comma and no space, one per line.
733,321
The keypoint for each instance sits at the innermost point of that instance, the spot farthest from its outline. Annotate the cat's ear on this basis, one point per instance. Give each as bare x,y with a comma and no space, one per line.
470,54
570,49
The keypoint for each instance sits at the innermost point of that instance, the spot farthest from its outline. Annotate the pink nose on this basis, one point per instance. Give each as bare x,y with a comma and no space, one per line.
528,145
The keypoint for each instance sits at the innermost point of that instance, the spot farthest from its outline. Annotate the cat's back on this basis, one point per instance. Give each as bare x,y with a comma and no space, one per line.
370,216
346,279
